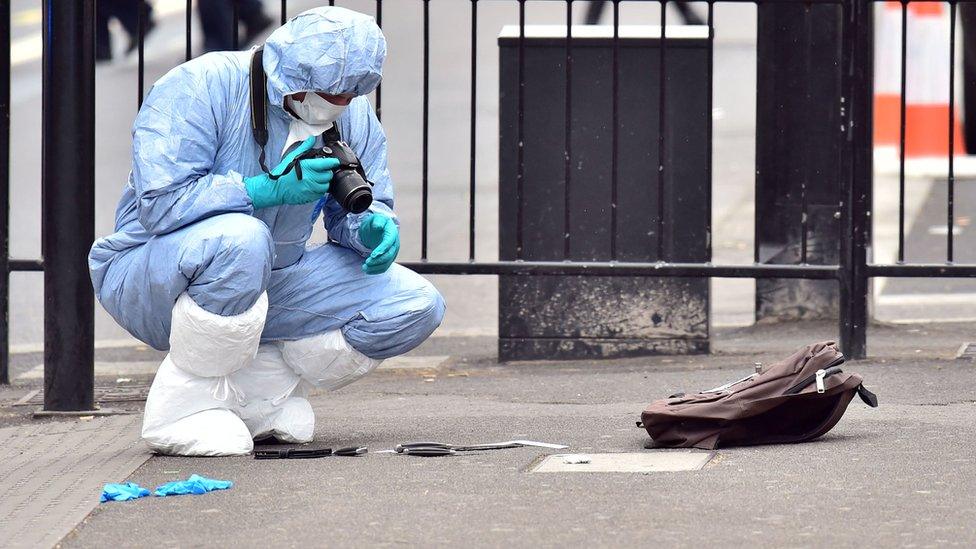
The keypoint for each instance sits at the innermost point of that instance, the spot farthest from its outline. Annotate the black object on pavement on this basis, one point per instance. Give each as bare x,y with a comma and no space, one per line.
308,453
433,450
444,449
293,453
351,451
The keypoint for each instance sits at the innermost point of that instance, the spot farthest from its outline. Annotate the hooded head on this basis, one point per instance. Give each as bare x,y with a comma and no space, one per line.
328,49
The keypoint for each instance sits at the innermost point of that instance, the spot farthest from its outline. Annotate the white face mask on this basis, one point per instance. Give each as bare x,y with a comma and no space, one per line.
314,110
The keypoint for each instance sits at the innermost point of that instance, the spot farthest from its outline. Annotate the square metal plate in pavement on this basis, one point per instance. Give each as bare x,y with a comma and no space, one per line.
633,462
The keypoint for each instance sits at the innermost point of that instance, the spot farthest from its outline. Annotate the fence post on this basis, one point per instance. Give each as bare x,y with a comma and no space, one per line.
4,193
68,203
857,212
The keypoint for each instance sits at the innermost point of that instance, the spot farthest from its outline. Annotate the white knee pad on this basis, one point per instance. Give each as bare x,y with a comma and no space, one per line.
327,360
210,345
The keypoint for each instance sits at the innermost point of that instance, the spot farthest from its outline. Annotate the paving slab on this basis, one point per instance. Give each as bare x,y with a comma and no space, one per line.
624,462
51,474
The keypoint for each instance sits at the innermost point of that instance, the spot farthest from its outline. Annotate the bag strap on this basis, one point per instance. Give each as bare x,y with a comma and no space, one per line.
259,103
868,397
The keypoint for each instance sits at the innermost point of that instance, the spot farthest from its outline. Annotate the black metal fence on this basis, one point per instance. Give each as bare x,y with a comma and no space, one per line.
67,223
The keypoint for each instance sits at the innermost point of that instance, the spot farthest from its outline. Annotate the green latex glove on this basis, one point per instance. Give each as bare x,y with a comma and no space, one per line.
380,234
288,189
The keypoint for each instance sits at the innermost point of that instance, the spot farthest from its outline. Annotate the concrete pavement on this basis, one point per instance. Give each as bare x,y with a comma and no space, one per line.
902,474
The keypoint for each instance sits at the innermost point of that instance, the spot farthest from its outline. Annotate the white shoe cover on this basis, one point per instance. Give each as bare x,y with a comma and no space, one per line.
214,432
290,421
327,360
192,404
271,393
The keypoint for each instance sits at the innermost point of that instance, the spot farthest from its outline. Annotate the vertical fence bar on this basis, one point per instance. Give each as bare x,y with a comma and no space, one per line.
189,25
68,205
901,135
951,189
236,20
474,126
568,132
379,87
284,11
660,134
520,213
426,129
805,181
710,21
615,128
141,30
758,137
5,194
858,74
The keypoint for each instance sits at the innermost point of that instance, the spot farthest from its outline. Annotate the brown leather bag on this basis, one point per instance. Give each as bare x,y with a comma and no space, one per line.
795,400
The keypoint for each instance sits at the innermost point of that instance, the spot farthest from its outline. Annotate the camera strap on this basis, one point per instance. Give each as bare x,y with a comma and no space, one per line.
259,107
259,103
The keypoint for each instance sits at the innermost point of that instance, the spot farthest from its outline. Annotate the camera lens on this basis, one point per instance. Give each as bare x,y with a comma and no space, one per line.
351,190
359,200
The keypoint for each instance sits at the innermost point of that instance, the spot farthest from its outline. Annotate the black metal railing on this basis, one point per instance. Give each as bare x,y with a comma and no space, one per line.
68,353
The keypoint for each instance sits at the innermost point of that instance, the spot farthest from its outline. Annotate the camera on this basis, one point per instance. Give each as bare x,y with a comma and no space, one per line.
349,186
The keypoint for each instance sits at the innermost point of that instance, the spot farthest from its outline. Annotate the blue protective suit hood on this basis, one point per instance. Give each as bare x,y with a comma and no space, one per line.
327,49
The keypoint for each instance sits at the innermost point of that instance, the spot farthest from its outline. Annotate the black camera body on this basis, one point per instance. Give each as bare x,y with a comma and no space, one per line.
349,186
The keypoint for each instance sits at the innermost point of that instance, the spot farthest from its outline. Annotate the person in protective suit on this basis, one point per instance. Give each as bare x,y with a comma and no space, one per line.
209,257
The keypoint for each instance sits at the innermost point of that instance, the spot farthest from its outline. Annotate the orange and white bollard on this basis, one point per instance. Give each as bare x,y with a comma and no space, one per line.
927,87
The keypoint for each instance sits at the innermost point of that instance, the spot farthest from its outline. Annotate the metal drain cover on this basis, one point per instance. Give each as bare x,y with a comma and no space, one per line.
633,462
130,392
967,351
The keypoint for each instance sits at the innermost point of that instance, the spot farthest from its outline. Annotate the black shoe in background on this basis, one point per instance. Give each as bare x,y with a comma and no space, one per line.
134,37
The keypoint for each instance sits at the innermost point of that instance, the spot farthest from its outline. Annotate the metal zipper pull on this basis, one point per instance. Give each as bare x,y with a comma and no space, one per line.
820,380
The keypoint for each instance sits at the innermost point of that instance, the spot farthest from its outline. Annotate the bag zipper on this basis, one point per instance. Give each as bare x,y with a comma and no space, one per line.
817,377
727,386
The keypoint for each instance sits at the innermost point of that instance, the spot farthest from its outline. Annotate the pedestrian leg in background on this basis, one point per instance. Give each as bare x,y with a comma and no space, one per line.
217,20
594,11
103,36
688,16
254,19
127,12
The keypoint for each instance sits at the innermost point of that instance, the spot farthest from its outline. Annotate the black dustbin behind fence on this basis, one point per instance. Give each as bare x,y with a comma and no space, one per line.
547,317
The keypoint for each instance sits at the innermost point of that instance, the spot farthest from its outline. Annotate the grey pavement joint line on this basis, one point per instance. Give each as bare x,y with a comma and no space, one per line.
57,473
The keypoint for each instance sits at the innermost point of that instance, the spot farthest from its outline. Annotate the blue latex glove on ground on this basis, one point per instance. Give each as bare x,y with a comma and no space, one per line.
380,234
193,485
288,188
123,492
